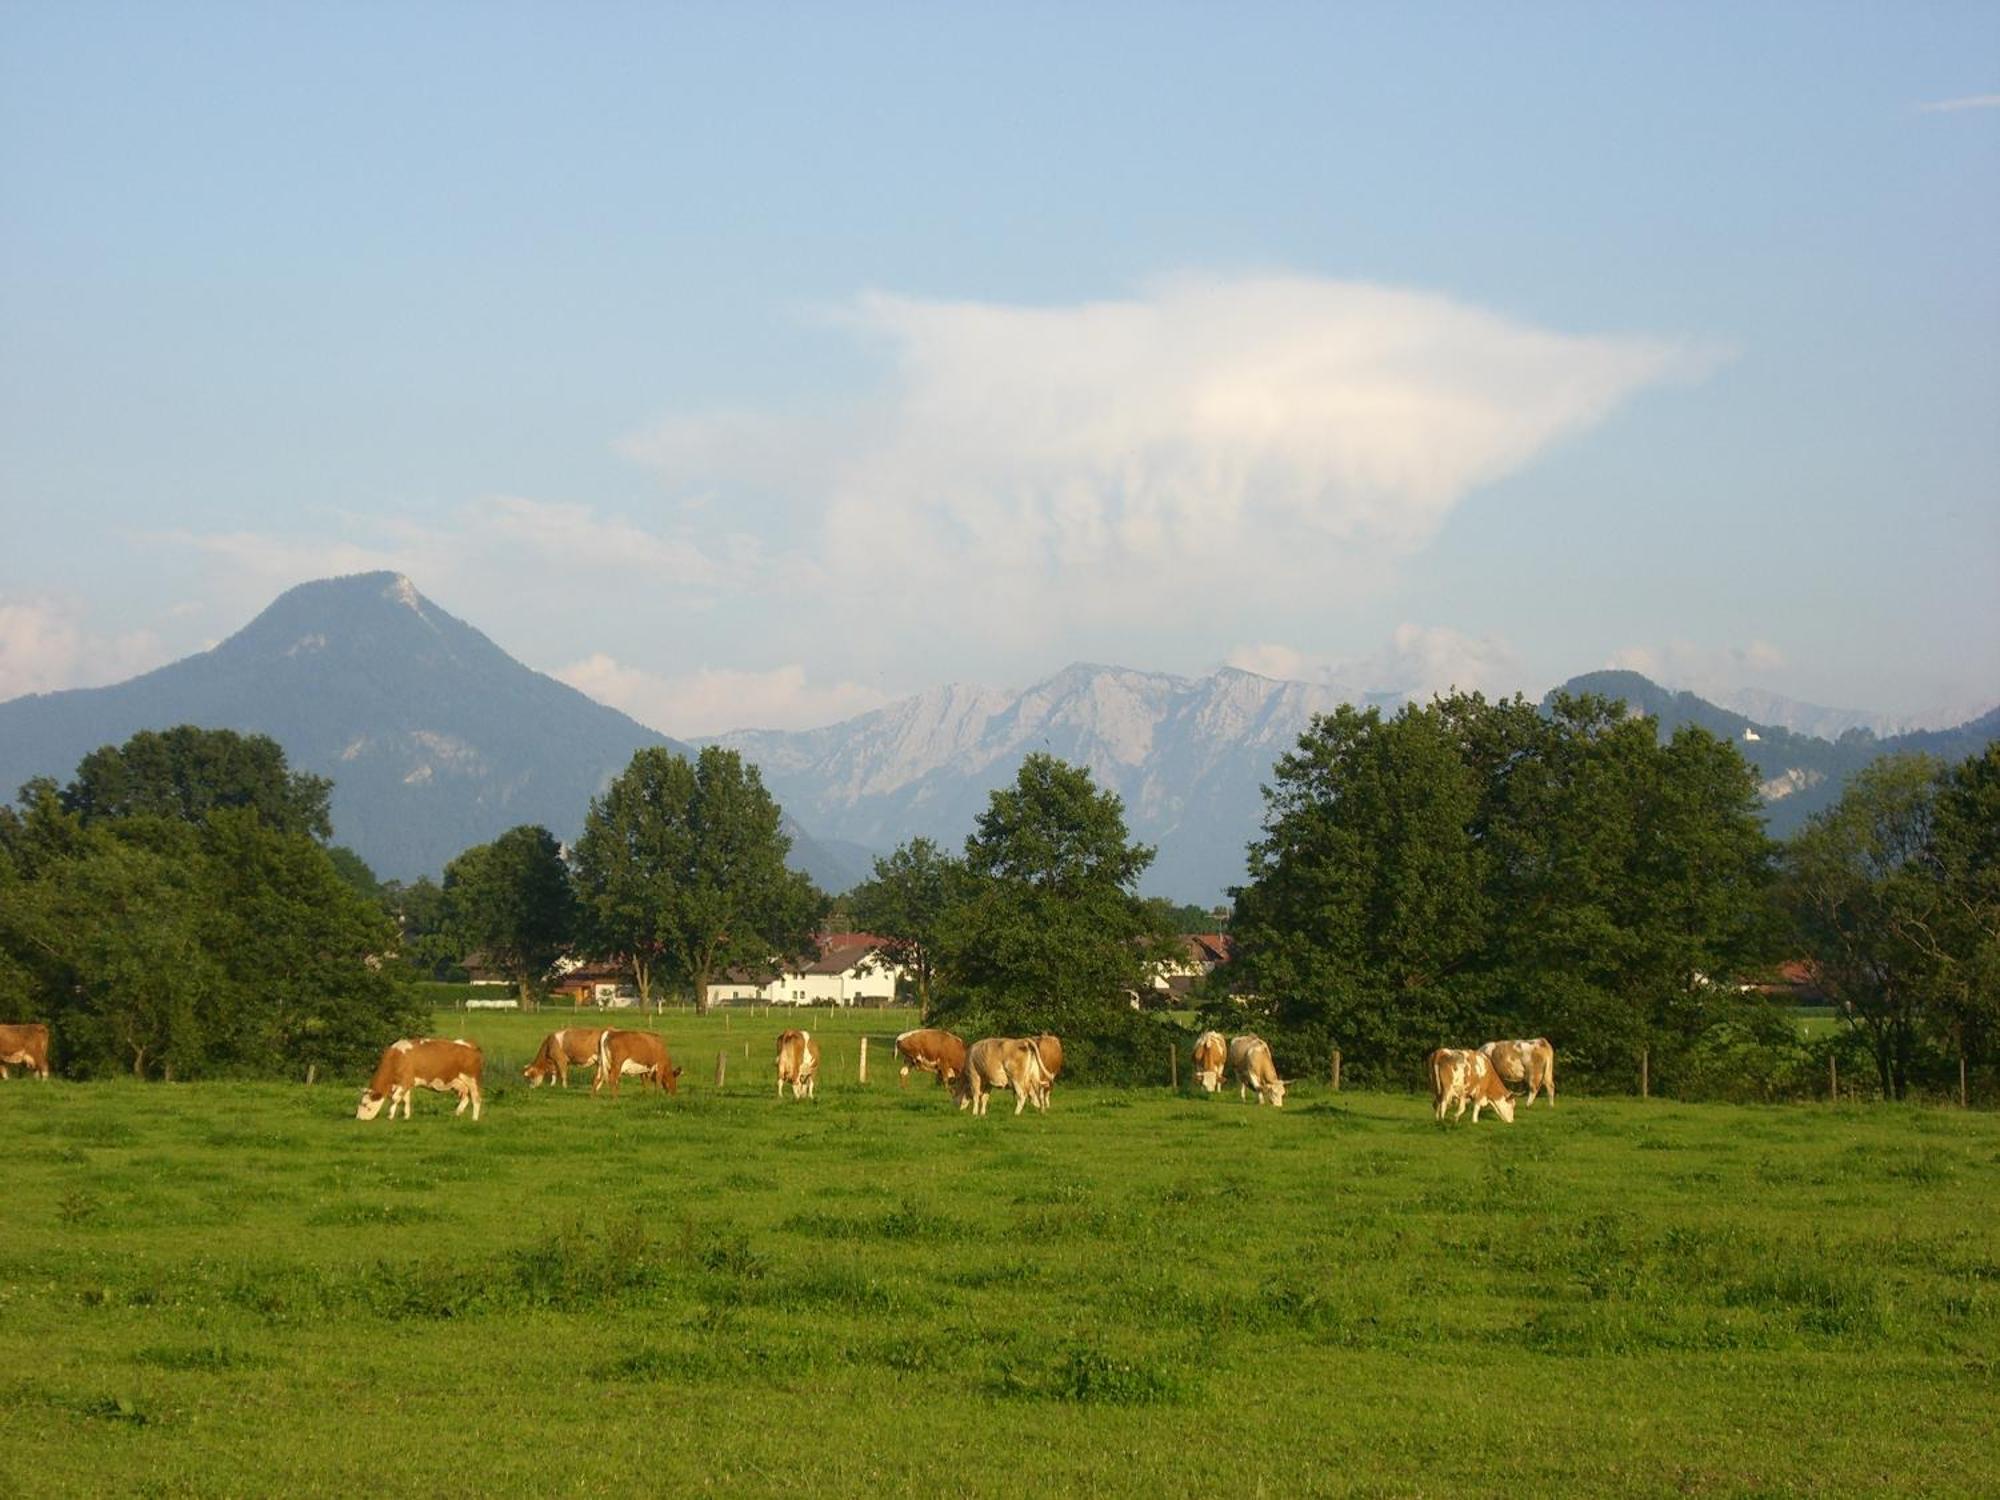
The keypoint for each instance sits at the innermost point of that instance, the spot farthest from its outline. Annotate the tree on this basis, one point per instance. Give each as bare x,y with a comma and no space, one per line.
1866,902
907,901
1966,846
1048,931
425,943
683,865
185,772
511,901
1464,866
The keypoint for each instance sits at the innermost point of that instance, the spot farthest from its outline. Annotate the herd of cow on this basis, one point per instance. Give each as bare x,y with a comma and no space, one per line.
1028,1066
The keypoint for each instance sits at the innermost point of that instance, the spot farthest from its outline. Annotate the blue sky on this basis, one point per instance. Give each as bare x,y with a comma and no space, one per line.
751,366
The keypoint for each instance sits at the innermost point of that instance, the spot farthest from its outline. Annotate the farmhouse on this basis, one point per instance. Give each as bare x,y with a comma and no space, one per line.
1201,954
853,968
608,986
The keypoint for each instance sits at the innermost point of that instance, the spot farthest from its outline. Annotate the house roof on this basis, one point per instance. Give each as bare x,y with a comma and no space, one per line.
1209,947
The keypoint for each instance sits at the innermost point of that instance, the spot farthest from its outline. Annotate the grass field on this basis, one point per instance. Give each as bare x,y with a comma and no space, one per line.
215,1289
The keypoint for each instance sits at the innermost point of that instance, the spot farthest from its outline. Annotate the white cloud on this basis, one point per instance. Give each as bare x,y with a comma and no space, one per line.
1954,106
1415,662
1028,467
44,647
1702,669
714,700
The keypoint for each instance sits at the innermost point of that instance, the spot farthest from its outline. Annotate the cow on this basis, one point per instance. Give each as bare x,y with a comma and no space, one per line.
1005,1063
932,1051
621,1054
26,1044
1211,1052
1531,1063
572,1047
1250,1061
798,1064
1462,1077
1048,1048
450,1067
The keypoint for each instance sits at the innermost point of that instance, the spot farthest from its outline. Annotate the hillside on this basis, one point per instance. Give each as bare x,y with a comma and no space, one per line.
1800,774
435,738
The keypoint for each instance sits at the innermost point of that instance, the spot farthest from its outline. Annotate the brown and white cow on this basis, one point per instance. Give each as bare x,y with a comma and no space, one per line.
1048,1048
1005,1062
931,1051
641,1054
450,1067
572,1047
25,1044
1211,1054
798,1064
1250,1060
1463,1077
1531,1063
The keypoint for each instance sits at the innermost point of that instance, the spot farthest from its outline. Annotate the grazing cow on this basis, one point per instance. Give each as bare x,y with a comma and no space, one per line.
1005,1063
1250,1061
572,1047
1461,1077
1211,1052
450,1067
932,1051
622,1054
798,1064
26,1044
1048,1048
1530,1063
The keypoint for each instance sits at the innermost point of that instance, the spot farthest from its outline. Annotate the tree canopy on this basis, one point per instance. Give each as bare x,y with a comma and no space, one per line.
510,901
682,864
1047,931
907,901
186,772
1467,869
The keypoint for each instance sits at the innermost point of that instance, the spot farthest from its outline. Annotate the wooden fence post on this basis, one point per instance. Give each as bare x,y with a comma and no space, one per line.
721,1067
864,1059
1174,1065
1832,1078
1645,1072
1336,1070
1964,1098
312,1074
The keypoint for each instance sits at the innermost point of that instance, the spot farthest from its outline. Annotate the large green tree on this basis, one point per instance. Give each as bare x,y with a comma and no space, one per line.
186,772
511,902
908,900
1048,931
1463,867
681,867
173,949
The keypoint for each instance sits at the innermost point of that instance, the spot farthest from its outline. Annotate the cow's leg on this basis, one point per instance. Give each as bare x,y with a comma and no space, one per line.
903,1076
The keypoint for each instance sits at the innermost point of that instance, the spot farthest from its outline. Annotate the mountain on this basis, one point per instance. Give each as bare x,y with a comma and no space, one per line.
1188,756
1799,774
1765,707
435,738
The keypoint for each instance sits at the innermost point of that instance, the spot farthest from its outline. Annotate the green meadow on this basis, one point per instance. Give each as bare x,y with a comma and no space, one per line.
224,1289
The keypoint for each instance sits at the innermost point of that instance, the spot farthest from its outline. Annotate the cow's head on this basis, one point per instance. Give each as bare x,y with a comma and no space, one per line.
1276,1089
674,1081
536,1074
370,1105
1504,1108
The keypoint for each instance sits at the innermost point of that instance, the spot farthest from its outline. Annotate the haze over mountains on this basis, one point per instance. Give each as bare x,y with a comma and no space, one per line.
437,739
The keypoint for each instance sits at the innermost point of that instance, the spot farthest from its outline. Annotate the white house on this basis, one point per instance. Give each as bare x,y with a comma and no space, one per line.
852,969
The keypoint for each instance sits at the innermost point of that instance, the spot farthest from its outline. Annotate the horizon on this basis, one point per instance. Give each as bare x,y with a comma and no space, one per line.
758,369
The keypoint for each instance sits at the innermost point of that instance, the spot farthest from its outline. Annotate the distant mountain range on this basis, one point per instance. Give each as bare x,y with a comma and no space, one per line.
436,739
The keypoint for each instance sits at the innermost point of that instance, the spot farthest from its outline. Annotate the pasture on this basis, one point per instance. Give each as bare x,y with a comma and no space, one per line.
239,1289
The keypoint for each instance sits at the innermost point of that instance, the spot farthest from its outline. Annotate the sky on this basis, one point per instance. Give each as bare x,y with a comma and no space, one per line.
753,366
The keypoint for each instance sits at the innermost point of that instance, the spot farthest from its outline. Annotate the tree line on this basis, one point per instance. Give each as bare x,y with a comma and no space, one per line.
1450,872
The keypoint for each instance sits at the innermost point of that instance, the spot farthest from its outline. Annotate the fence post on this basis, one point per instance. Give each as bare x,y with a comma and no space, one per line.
1832,1078
312,1074
864,1059
1964,1098
1645,1072
721,1067
1336,1070
1174,1065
